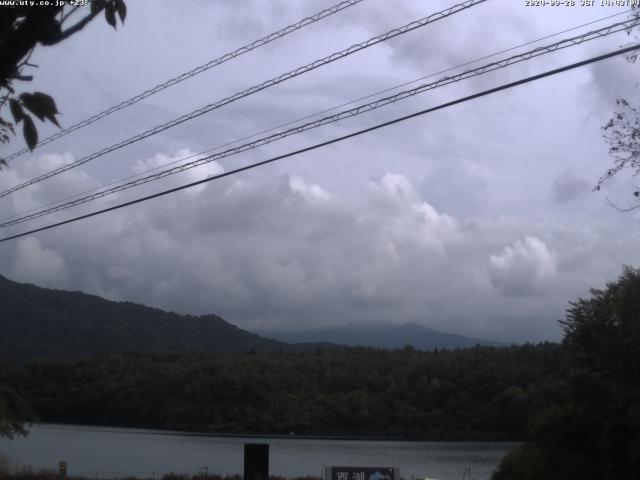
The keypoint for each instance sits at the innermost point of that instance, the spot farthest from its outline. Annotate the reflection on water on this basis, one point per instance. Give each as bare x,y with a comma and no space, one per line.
98,452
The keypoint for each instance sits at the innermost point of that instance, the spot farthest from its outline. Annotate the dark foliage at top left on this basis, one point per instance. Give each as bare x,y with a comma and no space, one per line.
22,29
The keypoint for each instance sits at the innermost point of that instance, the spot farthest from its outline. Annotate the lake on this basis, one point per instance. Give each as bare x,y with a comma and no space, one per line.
99,452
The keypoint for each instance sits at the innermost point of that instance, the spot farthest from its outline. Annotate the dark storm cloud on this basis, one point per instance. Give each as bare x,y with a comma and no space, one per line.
445,220
567,187
287,252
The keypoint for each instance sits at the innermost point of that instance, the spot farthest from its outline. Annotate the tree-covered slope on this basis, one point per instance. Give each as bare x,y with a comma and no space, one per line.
590,430
481,393
38,322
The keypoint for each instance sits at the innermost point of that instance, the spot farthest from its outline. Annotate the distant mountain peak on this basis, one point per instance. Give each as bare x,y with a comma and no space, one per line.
379,335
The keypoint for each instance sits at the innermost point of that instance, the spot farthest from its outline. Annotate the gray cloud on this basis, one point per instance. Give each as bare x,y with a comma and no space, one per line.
567,187
35,264
287,252
446,220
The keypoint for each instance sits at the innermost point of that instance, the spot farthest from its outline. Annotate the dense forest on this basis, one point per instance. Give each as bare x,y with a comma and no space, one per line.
591,430
576,404
477,393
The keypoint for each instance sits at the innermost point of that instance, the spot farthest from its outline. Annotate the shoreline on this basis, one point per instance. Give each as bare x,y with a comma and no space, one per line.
186,433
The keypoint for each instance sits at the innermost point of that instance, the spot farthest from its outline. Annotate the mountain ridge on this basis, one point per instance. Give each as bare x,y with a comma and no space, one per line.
379,335
39,322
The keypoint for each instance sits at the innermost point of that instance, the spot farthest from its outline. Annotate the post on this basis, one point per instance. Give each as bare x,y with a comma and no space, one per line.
256,461
62,470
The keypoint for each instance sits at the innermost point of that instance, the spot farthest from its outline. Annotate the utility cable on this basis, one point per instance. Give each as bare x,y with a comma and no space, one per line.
195,71
306,117
600,33
257,88
506,86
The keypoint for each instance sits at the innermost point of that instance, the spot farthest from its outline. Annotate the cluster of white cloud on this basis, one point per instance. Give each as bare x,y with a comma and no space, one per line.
287,253
485,227
524,268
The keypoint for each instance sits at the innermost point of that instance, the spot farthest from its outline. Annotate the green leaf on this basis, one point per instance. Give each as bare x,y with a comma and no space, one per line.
32,104
121,8
110,14
30,132
41,105
53,120
97,5
47,101
16,110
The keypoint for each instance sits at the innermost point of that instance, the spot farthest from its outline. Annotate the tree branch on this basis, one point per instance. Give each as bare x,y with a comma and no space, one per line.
77,27
620,209
69,13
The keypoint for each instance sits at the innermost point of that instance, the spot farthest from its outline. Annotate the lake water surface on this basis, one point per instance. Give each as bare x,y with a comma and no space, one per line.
98,452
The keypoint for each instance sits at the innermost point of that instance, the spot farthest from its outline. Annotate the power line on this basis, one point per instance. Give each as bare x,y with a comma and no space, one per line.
334,140
525,56
334,118
306,117
197,70
257,88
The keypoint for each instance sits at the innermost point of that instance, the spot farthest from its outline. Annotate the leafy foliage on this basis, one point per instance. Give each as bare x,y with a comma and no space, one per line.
592,429
623,135
22,28
14,413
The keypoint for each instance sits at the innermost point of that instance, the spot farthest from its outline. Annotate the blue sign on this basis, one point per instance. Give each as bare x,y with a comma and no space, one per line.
360,473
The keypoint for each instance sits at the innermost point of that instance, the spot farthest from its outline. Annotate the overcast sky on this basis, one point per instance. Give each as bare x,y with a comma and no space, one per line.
478,219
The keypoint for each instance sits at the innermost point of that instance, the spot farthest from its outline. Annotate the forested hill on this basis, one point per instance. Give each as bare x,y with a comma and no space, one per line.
39,322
